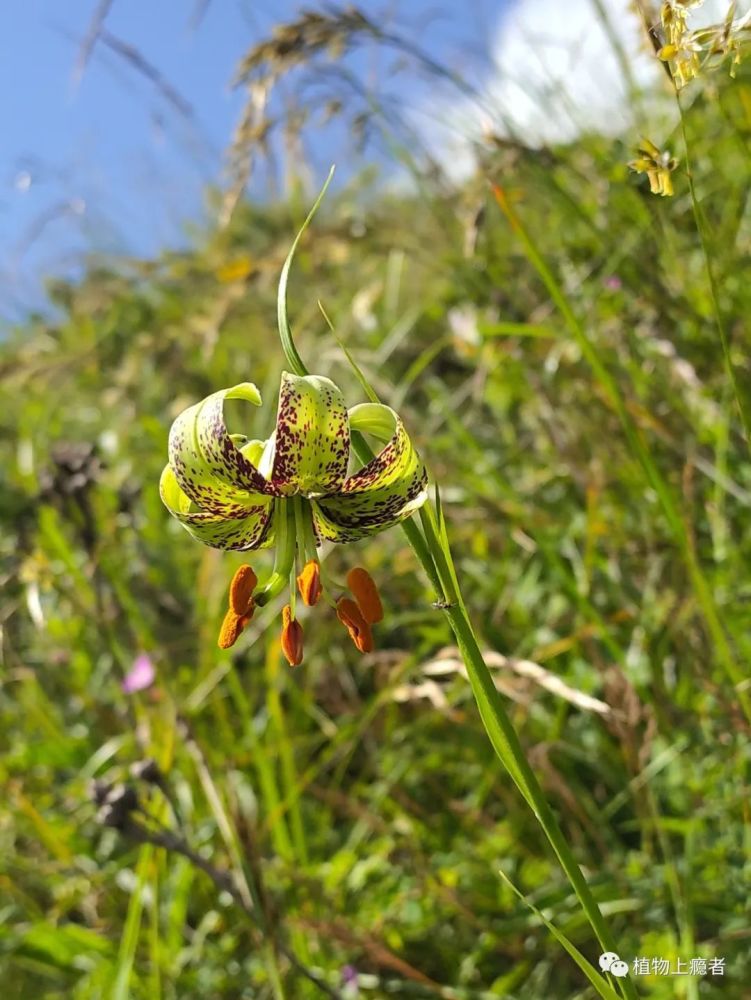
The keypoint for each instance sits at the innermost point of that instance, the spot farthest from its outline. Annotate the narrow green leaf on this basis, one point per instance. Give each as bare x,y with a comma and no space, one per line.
603,988
288,345
129,941
367,388
503,735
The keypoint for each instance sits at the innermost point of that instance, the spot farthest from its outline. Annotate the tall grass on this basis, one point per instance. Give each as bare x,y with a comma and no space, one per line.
561,373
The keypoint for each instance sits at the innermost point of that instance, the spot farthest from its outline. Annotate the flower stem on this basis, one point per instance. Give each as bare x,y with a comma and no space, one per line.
431,548
500,728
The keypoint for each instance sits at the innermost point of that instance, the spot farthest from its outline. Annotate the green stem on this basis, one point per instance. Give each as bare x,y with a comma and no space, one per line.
435,558
504,738
433,552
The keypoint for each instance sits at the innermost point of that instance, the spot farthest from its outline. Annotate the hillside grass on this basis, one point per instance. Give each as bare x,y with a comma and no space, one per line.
560,369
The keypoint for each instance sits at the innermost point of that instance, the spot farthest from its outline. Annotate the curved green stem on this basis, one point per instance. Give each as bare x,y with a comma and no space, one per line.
503,735
431,548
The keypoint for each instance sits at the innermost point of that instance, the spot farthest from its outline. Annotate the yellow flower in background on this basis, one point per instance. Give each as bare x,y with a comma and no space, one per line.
658,165
681,50
728,40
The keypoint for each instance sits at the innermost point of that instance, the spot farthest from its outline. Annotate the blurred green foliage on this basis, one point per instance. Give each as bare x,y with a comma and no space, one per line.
371,819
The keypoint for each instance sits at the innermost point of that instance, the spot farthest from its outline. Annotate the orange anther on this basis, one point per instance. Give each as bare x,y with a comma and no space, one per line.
309,583
232,626
241,590
349,614
362,585
291,638
363,639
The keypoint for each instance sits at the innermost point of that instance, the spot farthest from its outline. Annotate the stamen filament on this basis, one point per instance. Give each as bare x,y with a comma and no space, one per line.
309,535
284,522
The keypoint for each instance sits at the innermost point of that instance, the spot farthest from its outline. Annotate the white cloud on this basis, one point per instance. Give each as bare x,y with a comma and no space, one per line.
557,72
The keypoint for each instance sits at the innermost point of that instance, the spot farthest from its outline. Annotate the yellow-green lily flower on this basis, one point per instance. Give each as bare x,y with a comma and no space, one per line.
294,489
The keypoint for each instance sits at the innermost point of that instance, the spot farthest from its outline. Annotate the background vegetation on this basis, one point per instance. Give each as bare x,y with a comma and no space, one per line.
355,802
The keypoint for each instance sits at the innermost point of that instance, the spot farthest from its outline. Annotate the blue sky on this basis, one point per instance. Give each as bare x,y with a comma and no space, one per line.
106,163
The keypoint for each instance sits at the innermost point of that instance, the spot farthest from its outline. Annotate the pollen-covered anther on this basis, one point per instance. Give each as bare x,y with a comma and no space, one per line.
241,589
231,629
349,614
291,638
309,583
362,585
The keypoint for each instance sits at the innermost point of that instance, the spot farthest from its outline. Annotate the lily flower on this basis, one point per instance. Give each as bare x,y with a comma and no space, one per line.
294,490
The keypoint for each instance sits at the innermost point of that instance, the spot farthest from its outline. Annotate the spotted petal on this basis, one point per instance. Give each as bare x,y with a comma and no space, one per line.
246,527
209,466
311,441
386,490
